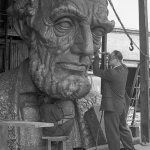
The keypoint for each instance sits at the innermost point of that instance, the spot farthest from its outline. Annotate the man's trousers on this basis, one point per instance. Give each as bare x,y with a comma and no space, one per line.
116,129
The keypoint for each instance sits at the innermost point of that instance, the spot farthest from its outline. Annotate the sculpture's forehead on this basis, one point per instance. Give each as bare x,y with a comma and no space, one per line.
81,8
78,3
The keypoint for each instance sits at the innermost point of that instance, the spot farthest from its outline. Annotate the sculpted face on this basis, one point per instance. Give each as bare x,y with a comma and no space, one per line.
62,36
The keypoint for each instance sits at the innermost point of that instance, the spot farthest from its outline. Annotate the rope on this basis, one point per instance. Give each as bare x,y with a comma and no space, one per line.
111,4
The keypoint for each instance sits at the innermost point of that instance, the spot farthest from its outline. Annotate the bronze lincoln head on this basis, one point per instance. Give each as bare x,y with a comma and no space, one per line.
62,36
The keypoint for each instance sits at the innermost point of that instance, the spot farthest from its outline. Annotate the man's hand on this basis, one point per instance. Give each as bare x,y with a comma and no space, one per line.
63,120
60,121
96,53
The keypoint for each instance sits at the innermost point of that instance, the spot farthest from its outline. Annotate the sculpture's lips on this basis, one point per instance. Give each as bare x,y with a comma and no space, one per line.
72,66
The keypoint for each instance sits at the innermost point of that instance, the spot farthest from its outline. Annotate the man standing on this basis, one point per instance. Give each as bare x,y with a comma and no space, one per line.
113,101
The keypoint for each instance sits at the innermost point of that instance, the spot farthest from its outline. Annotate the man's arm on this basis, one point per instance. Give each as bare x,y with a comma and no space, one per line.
107,75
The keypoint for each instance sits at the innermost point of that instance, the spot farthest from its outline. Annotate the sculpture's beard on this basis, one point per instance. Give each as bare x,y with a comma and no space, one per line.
55,81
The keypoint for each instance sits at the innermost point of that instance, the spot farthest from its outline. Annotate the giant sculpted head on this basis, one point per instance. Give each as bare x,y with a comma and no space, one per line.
62,36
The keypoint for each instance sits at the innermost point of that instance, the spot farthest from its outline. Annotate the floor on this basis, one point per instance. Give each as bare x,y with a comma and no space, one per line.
137,147
136,142
140,147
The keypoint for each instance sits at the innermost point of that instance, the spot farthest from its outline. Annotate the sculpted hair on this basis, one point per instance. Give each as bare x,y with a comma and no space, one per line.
23,7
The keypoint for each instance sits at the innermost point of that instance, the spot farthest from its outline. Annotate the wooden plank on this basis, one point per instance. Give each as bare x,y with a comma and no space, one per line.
144,71
26,124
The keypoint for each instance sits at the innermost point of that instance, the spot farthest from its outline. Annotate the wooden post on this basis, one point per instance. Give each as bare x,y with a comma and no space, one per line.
144,71
6,52
3,137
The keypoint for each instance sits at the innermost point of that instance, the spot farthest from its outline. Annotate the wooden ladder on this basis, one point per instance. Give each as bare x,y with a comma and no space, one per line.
135,93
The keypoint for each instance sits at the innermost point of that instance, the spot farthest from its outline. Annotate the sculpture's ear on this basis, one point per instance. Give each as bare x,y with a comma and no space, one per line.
22,13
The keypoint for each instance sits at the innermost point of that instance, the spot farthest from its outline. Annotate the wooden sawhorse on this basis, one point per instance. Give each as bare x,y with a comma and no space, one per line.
62,139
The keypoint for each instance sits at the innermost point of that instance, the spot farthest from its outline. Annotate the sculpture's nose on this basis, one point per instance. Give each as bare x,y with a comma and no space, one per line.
87,40
83,41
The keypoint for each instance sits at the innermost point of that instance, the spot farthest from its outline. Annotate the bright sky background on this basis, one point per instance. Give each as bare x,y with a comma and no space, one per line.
128,13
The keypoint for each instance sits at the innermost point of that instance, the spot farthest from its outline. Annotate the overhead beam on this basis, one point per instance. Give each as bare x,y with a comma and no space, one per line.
144,71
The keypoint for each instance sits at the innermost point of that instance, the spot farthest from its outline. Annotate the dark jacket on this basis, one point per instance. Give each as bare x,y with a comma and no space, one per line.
113,87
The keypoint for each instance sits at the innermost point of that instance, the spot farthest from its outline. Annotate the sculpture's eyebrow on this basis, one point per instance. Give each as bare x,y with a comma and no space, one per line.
69,10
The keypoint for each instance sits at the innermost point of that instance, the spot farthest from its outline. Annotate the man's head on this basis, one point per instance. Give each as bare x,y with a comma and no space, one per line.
62,36
115,58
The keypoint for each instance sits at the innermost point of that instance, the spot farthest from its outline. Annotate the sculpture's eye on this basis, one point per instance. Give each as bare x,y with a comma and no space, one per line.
64,23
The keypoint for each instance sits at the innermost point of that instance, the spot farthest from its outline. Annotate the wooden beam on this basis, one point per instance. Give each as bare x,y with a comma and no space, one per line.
144,71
